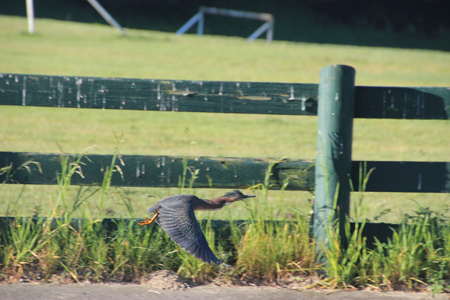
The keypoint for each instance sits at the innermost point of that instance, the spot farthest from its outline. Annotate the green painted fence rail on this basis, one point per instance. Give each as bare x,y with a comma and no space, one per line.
223,172
215,96
158,95
402,102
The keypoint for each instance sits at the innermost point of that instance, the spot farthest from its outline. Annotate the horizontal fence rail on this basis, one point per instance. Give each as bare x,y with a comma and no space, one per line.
159,95
168,171
215,96
402,102
237,13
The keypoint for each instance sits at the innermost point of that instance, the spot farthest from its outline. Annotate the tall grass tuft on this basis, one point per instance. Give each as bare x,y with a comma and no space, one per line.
416,254
271,250
415,257
346,261
56,246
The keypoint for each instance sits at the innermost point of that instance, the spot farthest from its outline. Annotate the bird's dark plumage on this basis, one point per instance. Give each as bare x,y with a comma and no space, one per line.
175,214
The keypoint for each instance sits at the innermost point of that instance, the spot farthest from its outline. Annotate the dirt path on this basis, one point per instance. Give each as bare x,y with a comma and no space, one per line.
31,291
164,284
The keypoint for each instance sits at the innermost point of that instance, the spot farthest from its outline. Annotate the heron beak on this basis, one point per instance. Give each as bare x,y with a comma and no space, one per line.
247,196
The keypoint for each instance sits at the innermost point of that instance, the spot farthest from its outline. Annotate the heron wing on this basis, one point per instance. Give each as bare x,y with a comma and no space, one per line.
181,225
172,202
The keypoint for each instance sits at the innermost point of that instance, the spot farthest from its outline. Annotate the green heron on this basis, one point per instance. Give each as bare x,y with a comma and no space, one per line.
175,214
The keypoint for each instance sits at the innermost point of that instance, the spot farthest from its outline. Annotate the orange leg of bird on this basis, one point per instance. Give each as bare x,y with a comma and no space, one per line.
148,221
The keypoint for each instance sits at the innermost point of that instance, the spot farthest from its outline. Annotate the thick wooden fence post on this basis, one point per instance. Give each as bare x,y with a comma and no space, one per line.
334,151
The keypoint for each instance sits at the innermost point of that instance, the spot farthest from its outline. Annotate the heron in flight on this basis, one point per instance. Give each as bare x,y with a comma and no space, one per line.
175,214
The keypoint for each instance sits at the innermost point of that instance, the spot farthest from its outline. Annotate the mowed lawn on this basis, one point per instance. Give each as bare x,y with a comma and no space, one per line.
77,49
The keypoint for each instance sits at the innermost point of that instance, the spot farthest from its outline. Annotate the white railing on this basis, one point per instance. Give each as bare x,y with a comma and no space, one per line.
268,19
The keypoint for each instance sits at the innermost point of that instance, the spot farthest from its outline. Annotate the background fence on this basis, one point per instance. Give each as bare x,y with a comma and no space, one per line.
340,102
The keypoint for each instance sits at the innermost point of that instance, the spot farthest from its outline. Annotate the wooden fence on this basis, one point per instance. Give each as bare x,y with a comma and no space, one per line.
340,102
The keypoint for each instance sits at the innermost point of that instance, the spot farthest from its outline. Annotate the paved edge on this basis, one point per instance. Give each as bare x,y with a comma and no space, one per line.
27,291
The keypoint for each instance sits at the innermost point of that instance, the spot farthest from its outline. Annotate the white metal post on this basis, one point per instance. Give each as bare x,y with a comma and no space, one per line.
200,23
259,31
269,35
30,16
106,16
190,23
200,17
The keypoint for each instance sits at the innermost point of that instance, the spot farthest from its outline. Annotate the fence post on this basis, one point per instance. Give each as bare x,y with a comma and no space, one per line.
334,151
30,16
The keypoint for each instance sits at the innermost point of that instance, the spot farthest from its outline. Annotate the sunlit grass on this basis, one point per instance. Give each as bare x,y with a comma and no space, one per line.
68,48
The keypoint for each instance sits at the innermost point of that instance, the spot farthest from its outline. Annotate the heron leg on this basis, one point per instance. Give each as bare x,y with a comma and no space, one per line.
148,221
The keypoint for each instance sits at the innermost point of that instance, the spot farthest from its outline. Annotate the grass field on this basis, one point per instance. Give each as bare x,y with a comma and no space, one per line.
76,49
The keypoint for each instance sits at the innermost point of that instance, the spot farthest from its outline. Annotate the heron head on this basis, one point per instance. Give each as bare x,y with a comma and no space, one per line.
236,196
